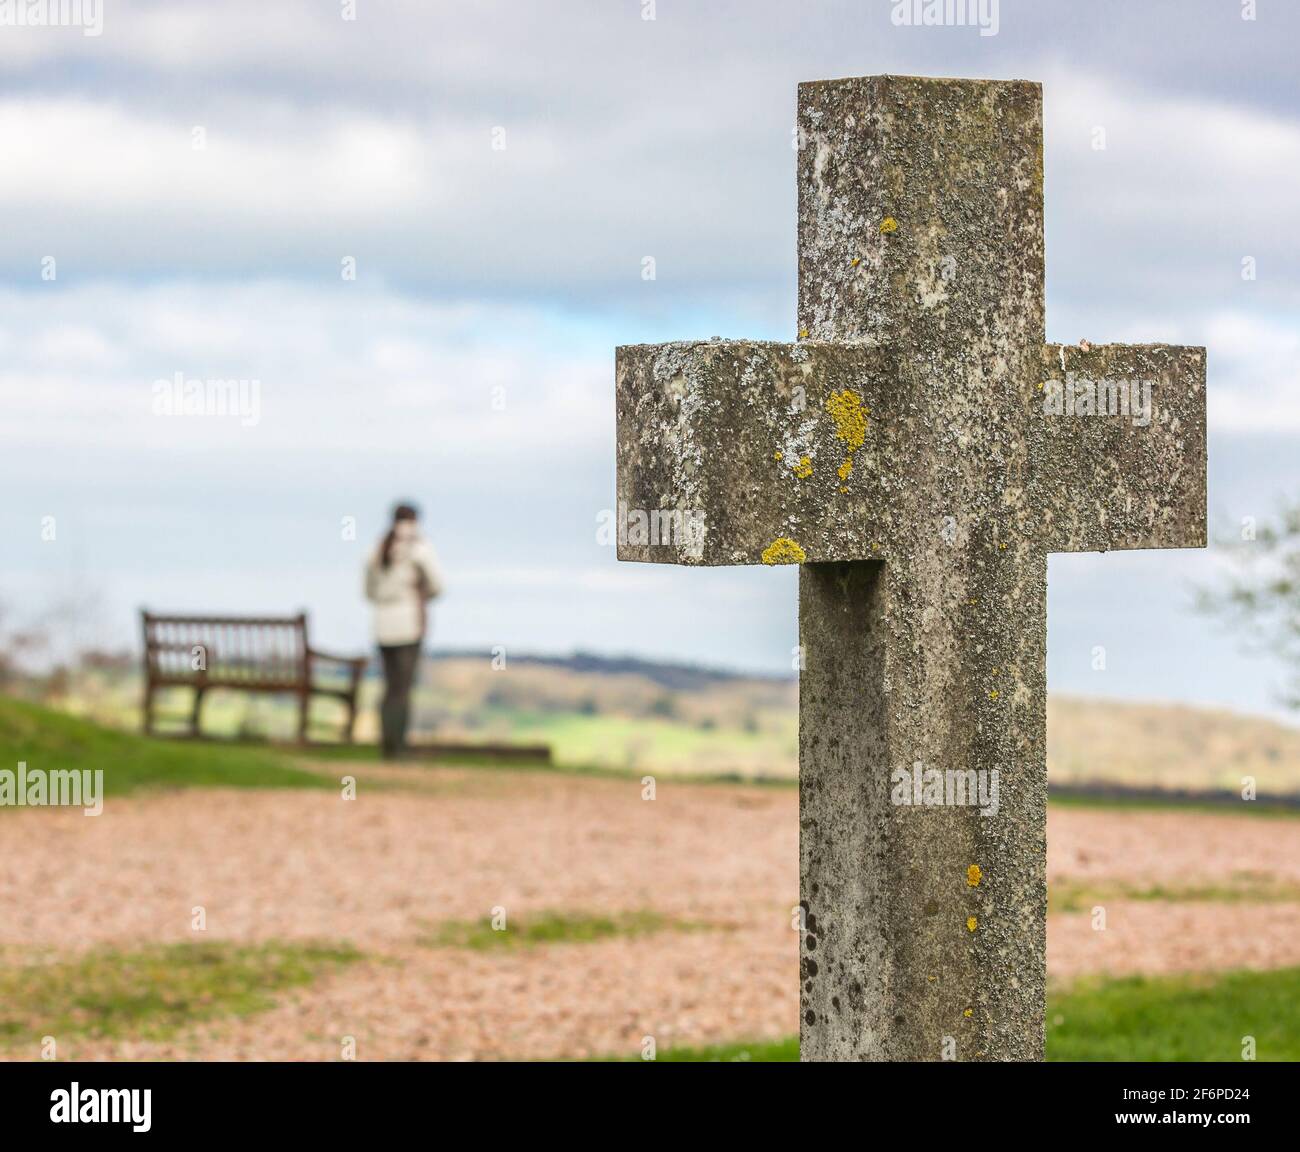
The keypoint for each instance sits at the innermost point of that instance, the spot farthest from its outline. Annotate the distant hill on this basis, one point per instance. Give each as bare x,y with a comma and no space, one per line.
628,712
635,714
1169,746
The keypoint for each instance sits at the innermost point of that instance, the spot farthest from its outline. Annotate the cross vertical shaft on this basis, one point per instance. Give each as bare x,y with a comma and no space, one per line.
920,229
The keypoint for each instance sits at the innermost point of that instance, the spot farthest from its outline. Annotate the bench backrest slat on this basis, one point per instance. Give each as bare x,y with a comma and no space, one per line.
235,649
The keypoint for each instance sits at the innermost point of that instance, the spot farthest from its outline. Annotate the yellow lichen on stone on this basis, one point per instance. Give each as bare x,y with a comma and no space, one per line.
850,417
778,456
803,469
783,550
888,225
803,333
973,875
971,924
993,695
969,1013
854,262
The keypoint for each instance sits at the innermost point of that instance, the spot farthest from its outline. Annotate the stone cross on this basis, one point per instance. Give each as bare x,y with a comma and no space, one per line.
918,452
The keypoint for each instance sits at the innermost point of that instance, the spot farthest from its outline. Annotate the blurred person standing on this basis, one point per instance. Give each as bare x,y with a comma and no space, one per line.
402,577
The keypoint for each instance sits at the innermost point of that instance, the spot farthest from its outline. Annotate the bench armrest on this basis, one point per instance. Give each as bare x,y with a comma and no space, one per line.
357,663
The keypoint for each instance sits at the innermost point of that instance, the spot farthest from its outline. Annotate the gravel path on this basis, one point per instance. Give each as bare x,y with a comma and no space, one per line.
381,870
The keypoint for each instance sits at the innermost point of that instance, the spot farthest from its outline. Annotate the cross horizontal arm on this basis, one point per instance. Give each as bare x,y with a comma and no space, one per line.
1119,451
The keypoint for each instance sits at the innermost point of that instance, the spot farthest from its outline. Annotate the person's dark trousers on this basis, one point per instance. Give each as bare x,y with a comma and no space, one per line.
401,661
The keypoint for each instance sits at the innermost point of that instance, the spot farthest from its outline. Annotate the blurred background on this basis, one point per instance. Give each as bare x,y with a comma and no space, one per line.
421,230
499,173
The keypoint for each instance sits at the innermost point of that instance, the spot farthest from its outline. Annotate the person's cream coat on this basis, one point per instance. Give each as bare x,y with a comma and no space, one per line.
400,591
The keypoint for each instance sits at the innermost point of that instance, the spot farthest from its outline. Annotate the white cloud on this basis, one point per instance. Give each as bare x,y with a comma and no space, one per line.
625,138
1158,222
351,369
1256,366
106,160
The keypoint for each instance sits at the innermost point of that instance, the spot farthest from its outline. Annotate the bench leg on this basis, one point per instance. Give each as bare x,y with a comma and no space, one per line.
352,718
195,710
148,707
304,700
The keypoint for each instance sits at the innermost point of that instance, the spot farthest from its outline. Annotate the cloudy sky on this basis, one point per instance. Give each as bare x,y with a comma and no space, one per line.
182,193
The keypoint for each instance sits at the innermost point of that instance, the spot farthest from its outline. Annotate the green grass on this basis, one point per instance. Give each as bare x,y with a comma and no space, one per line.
1173,1018
759,1052
151,993
1177,1017
1241,888
50,740
1263,807
548,928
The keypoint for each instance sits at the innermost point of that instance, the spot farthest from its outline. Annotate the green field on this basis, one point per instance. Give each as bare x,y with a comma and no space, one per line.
48,738
637,716
623,723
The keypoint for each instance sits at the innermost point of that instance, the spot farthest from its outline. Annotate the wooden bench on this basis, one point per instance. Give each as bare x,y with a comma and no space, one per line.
245,653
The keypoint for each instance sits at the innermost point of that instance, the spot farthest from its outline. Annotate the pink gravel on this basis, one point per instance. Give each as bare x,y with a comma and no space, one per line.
380,870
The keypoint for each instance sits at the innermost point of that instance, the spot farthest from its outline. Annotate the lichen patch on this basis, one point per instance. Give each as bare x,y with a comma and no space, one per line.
850,417
783,550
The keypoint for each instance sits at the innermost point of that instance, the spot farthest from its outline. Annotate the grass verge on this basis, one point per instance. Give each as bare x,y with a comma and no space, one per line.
151,993
1170,1018
1241,888
50,740
549,928
1177,1018
758,1052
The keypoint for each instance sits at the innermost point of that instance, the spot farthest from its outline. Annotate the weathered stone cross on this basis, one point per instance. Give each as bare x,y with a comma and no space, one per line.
918,452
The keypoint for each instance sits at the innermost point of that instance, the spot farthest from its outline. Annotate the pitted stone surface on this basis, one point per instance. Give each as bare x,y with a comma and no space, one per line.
919,452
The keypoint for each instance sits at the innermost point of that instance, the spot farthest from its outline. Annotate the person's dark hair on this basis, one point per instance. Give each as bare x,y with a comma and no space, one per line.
400,513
